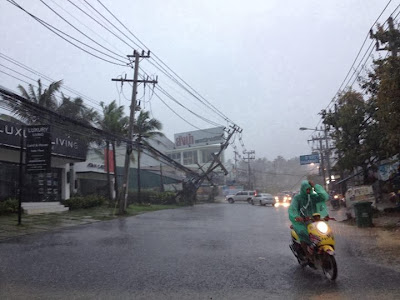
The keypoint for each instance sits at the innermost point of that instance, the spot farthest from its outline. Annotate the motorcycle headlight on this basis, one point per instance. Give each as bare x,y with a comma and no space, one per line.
322,227
284,198
336,197
276,198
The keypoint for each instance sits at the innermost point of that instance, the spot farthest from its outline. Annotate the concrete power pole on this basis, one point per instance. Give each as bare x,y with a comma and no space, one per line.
250,156
325,157
133,108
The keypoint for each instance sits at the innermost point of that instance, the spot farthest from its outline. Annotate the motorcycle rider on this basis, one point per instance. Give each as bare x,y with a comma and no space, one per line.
310,200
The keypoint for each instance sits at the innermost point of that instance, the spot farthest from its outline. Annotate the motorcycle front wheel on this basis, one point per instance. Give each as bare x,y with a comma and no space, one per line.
329,267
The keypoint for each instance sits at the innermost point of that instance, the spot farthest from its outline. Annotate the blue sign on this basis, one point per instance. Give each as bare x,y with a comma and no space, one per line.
309,159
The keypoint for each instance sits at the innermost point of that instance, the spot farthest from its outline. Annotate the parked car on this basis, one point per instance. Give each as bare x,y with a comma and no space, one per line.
241,196
264,199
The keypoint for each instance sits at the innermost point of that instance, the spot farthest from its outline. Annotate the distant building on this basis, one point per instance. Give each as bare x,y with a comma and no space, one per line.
194,149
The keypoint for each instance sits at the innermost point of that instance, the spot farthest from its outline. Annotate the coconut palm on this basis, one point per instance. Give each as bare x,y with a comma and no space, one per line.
145,128
113,120
40,96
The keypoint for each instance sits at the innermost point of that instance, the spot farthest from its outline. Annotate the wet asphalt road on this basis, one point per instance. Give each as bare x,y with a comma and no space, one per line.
210,251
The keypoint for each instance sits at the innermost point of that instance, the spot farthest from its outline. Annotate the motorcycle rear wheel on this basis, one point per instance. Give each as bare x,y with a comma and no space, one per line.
329,267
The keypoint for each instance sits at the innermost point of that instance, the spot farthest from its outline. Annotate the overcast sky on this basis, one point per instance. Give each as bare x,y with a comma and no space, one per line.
270,66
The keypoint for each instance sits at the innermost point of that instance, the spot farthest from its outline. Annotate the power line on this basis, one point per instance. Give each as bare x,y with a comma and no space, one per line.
179,116
358,54
46,85
81,32
189,110
87,27
100,23
21,65
199,97
59,32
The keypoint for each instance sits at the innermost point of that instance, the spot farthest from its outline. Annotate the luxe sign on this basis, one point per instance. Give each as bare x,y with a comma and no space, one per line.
38,149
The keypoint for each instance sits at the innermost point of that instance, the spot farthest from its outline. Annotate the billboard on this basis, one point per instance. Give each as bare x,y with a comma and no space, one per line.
195,138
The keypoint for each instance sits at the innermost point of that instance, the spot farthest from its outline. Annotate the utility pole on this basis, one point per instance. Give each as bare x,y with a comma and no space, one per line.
327,152
250,156
161,178
235,167
323,154
133,108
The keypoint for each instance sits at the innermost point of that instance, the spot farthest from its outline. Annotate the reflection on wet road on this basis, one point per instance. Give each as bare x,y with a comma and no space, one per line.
218,251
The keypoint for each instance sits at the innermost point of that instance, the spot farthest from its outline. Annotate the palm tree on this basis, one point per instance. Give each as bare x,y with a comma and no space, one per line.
42,97
113,120
76,109
145,129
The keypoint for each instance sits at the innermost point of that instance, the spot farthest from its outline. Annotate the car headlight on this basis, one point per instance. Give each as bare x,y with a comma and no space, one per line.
336,197
290,198
276,198
322,227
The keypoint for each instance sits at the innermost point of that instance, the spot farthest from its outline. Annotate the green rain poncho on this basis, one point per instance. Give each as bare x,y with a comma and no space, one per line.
299,207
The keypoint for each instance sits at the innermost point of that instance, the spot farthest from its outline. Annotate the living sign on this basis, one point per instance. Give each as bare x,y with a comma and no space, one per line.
63,144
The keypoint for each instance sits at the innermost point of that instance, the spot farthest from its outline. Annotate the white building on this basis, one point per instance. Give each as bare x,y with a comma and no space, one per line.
194,149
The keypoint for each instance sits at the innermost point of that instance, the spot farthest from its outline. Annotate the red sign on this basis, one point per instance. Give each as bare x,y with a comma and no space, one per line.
110,154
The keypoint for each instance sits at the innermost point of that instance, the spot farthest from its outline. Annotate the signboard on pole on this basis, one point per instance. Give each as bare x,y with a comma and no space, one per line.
38,149
309,159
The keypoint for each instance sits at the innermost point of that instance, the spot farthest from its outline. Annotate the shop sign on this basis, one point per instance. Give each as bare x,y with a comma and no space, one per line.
38,149
63,143
209,136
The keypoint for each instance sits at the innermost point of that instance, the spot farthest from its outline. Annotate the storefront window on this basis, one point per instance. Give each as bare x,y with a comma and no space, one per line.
37,187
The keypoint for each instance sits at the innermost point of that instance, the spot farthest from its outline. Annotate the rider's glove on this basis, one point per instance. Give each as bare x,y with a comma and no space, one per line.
299,219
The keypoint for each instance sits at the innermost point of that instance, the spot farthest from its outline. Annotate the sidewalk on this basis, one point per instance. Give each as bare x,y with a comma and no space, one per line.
46,222
378,245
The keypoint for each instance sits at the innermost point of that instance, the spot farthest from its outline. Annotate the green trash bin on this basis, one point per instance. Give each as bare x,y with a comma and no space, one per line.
363,212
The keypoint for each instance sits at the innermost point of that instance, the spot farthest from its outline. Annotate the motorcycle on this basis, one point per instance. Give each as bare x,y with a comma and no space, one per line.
322,247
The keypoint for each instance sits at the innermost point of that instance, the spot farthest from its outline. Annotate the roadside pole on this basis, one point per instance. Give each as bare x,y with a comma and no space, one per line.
123,197
21,175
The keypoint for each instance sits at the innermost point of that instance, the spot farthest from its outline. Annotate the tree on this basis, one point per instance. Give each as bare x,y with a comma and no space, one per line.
384,87
145,128
114,121
42,97
353,131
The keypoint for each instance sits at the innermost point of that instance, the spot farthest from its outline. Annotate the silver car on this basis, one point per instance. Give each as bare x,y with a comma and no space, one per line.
264,199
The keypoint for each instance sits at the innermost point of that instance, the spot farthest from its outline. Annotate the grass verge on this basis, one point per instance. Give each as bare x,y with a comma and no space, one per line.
135,209
48,222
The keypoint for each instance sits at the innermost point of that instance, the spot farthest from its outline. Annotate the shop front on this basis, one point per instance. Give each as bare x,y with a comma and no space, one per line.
38,187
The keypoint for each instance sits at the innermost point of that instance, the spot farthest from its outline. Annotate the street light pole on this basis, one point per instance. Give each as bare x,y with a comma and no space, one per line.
325,154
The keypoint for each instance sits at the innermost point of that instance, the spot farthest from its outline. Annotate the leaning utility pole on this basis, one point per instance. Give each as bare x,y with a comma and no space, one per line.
133,108
250,156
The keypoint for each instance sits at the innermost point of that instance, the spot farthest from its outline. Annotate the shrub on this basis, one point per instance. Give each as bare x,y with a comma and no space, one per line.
152,197
9,206
77,202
